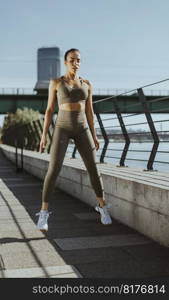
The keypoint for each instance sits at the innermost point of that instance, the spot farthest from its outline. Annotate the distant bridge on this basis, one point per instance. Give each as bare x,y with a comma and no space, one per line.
13,98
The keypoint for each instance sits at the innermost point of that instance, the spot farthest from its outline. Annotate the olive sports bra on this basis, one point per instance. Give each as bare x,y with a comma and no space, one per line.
68,94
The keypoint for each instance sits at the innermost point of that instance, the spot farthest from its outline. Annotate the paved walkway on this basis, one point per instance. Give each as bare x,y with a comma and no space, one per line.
76,245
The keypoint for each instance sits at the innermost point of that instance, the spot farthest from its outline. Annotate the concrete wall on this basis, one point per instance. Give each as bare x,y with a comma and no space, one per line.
138,203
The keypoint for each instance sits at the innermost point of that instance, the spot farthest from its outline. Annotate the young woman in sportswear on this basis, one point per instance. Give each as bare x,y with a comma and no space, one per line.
74,96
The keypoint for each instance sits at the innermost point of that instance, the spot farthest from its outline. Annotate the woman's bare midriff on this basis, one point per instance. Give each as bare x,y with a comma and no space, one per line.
72,106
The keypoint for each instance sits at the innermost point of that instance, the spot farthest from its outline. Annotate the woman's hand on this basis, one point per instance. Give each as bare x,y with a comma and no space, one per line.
43,143
96,141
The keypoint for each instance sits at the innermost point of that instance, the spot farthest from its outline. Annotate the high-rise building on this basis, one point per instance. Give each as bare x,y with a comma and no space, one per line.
48,67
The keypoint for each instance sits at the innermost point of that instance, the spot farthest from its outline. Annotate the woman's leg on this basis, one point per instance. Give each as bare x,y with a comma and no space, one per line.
60,140
86,147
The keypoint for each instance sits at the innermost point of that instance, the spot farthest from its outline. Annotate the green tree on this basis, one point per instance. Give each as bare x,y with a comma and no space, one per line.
20,117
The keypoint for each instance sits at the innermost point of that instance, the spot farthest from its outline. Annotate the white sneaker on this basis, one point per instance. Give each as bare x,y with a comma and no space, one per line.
105,216
43,220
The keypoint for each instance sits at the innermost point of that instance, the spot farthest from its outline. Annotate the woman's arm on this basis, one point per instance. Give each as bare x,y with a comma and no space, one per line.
90,114
50,106
49,112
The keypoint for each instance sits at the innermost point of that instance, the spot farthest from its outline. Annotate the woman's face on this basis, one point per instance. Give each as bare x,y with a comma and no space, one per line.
73,61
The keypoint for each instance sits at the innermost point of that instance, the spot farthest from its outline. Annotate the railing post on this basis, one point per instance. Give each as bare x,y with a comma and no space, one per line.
27,146
32,137
154,134
37,134
18,169
104,134
22,157
124,132
16,154
74,152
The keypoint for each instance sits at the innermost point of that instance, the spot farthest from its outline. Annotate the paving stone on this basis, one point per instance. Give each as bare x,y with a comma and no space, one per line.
28,259
147,252
87,216
101,241
7,235
68,232
95,255
65,271
13,246
20,234
113,269
10,221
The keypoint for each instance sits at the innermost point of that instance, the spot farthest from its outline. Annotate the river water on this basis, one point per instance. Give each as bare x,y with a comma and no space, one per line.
134,158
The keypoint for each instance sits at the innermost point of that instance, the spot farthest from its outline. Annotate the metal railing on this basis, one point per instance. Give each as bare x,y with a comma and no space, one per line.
152,135
96,91
117,129
17,91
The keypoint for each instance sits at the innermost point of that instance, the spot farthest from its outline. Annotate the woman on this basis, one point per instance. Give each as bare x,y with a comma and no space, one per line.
74,96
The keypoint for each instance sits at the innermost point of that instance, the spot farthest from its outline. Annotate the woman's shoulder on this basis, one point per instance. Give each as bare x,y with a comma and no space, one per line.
56,81
87,81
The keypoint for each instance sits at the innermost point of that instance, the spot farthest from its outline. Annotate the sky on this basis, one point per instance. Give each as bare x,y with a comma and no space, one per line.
123,43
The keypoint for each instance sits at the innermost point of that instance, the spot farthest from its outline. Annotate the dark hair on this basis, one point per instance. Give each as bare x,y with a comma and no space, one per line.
70,50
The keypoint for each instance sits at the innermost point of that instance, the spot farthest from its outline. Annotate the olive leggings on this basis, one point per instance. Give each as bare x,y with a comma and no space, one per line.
86,147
